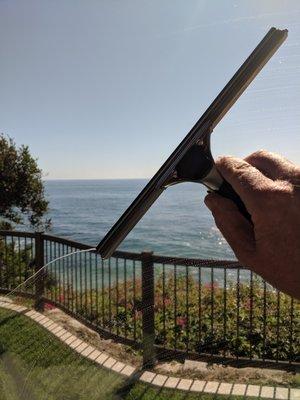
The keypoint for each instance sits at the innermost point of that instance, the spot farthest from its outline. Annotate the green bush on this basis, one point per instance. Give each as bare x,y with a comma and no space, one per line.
17,264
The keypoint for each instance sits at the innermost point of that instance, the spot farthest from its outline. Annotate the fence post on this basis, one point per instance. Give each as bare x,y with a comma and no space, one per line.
148,309
39,262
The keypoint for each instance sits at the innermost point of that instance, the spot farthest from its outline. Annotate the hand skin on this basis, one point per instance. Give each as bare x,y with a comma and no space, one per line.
269,186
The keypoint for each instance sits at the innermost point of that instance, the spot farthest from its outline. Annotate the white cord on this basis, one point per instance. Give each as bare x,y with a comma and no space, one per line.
46,265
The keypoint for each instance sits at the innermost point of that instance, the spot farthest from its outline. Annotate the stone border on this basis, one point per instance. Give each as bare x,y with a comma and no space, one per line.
149,377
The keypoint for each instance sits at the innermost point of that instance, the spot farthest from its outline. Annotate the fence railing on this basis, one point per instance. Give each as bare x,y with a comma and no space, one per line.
165,306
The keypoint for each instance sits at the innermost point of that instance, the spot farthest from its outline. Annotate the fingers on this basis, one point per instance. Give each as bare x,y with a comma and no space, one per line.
245,179
274,166
235,228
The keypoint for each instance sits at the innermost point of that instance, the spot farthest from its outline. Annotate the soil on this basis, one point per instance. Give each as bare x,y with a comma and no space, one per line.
116,350
217,372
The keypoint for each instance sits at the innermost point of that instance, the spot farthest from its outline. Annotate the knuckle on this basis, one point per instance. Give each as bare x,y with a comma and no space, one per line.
248,176
259,157
231,164
222,161
242,167
259,154
276,193
283,188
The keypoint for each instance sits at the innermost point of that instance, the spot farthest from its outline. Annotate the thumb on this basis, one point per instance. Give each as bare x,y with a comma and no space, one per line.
237,231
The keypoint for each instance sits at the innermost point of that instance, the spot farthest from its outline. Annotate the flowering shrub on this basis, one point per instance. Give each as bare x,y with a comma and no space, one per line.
235,321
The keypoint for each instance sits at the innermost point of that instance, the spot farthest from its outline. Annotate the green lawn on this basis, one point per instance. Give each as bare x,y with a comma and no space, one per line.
34,365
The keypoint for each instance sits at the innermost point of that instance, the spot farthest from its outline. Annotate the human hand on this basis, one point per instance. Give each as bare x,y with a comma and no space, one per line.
269,186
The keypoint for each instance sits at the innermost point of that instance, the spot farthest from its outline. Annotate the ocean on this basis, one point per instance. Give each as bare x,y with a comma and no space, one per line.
178,224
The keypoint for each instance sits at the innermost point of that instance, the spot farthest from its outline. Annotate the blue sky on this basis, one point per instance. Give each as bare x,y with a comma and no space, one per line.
107,89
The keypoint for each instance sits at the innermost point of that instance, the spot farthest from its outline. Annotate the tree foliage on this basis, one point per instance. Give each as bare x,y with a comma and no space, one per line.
21,187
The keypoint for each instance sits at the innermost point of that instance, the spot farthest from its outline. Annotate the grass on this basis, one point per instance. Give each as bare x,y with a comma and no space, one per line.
34,365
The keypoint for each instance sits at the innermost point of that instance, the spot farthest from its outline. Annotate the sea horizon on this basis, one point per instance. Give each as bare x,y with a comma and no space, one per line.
178,224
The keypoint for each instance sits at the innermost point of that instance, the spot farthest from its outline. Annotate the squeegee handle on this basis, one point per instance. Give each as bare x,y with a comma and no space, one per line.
226,190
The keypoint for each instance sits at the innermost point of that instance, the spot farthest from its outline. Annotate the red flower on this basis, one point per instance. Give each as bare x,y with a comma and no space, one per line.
61,298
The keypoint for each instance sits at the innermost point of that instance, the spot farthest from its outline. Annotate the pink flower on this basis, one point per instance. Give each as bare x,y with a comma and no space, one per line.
248,304
167,302
49,306
182,321
211,285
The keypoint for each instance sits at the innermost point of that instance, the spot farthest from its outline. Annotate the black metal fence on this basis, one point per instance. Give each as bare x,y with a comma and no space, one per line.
166,307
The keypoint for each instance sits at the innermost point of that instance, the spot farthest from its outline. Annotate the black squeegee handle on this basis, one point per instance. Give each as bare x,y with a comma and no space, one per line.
226,190
198,165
